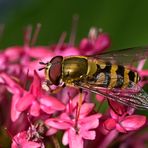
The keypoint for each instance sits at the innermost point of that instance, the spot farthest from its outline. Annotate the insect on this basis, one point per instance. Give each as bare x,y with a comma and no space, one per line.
107,74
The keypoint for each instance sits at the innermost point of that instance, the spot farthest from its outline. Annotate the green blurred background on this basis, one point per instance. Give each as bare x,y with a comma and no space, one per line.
125,20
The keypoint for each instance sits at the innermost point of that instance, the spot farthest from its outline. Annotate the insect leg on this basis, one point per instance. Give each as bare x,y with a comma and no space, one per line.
46,86
59,88
79,105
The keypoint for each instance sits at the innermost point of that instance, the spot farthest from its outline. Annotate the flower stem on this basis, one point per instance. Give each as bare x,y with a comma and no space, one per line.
55,141
108,139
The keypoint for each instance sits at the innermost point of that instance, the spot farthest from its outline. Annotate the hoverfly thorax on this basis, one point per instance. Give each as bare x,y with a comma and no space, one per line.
53,70
74,68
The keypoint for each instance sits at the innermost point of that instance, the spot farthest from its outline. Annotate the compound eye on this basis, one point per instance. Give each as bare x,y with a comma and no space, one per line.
55,71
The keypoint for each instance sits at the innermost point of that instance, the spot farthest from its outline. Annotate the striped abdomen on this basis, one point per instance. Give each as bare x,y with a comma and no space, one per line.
105,74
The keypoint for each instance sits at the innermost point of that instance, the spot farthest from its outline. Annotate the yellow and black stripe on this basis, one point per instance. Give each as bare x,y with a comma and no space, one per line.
113,76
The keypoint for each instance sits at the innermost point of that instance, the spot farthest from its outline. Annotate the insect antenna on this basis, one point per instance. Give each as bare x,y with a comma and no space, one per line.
41,68
42,63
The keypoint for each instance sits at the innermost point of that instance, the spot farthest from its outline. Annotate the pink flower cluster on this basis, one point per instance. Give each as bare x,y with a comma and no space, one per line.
35,118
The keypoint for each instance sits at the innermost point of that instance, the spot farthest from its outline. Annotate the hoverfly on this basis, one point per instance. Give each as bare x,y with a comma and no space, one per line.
106,74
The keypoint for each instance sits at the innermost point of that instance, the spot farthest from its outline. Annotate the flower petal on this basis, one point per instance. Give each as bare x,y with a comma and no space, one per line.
114,115
11,84
143,73
52,102
120,128
133,122
58,124
51,131
75,100
14,53
110,124
40,52
21,140
74,139
90,135
14,112
25,101
86,108
65,138
90,122
35,87
102,42
47,109
118,108
85,45
31,144
69,51
35,109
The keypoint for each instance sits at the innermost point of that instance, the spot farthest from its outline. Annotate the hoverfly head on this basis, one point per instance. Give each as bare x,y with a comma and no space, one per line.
53,69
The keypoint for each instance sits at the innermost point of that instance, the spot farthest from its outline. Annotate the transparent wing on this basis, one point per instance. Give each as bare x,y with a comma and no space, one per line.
124,56
134,97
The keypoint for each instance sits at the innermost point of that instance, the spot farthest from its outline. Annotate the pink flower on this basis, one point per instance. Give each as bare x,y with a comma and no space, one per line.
14,53
76,128
96,43
22,140
102,42
10,83
131,123
35,100
40,52
66,50
118,108
124,123
143,73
